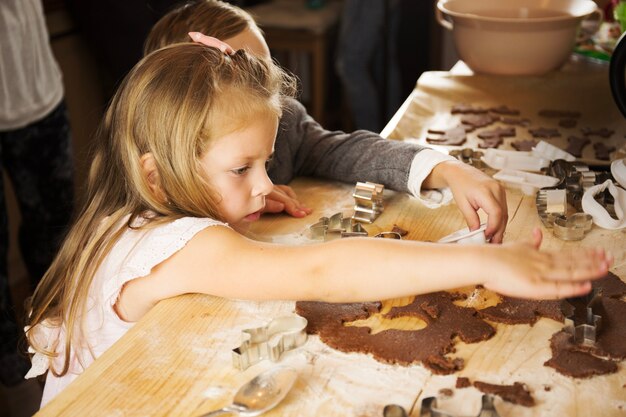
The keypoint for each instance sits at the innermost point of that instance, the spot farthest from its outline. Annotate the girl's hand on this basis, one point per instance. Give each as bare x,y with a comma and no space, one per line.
283,198
473,190
525,272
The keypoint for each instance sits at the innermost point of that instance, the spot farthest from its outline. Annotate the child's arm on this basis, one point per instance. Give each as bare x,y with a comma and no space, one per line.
304,148
219,261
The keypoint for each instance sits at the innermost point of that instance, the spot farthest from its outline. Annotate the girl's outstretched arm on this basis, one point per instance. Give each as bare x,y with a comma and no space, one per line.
221,262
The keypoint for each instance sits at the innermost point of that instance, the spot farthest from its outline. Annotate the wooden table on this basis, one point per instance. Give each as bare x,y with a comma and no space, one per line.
177,361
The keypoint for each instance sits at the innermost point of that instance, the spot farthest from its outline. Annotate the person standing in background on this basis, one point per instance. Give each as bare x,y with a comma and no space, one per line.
35,153
367,61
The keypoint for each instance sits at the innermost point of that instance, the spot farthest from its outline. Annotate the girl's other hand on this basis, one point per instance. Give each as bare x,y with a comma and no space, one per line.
525,272
283,198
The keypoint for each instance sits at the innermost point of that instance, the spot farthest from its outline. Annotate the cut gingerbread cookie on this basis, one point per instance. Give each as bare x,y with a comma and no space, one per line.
475,121
602,132
493,138
515,121
576,145
603,152
463,108
568,123
544,132
454,136
559,114
525,145
504,110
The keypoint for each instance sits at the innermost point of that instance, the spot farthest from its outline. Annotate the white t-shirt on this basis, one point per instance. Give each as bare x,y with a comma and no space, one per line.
30,78
133,256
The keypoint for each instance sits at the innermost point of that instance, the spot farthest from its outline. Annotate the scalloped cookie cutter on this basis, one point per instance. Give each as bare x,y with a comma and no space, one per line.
573,227
368,201
270,341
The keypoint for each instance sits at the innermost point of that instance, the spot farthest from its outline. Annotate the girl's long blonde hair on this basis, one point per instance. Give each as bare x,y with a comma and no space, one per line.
170,105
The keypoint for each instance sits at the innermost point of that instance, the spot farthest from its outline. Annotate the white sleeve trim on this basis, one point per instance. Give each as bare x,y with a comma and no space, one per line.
422,165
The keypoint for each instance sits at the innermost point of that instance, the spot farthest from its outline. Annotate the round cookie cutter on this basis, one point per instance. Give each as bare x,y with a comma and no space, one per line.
573,227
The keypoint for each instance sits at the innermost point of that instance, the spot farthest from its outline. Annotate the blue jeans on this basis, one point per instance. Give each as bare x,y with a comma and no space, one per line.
38,161
367,61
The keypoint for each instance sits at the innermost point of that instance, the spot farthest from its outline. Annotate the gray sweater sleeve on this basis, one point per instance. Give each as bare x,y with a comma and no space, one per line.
304,148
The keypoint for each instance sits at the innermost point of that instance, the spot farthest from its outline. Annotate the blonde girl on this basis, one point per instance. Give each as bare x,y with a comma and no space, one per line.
180,164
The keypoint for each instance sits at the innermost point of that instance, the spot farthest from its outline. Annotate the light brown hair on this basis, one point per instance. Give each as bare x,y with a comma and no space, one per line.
210,17
169,105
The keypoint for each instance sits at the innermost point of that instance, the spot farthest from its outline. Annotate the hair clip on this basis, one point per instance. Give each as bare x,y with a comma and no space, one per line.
212,42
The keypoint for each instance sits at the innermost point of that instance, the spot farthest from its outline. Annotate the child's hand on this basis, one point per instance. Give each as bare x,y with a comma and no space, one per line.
283,198
523,271
473,190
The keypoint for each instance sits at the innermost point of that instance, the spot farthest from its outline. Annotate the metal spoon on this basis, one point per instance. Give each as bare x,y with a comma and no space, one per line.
261,393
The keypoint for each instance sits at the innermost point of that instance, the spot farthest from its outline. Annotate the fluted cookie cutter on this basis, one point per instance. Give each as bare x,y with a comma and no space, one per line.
270,341
336,226
429,408
368,201
583,323
573,227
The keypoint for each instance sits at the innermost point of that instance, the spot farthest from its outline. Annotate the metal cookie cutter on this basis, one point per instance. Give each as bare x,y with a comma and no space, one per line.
429,408
368,201
546,215
336,226
573,227
270,341
583,323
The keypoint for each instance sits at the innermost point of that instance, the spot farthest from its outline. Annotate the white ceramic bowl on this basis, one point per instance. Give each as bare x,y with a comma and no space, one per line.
514,37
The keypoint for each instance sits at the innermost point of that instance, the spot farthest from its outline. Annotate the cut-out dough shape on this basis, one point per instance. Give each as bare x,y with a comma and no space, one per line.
568,123
454,136
575,145
525,145
515,122
463,108
504,110
603,152
602,132
475,121
559,114
493,138
544,132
